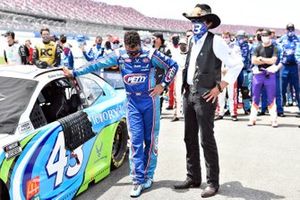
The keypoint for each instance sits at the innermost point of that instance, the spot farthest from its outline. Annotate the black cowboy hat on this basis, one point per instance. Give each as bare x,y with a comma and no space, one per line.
203,12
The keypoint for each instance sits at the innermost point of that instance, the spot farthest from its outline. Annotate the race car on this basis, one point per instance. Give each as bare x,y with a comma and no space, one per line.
57,135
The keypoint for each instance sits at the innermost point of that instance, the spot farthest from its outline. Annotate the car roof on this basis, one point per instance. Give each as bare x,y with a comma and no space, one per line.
23,71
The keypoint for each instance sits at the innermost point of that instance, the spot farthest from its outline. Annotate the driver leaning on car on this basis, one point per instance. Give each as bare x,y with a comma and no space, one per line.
137,66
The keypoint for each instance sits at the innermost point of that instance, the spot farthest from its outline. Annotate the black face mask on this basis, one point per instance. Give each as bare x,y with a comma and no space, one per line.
258,36
175,41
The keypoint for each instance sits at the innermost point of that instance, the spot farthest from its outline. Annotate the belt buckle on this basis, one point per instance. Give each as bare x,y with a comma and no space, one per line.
138,93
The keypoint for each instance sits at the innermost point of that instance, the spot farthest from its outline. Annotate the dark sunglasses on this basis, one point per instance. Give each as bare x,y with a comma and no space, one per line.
133,53
290,29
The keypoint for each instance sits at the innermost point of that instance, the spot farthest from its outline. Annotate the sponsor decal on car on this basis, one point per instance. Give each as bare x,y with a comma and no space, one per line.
12,150
25,127
108,115
33,188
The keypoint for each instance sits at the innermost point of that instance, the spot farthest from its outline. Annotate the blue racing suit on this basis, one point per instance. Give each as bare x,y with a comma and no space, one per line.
94,53
143,111
290,65
67,58
244,77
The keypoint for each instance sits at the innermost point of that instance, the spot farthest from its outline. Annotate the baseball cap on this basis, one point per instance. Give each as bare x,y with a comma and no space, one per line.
290,27
9,33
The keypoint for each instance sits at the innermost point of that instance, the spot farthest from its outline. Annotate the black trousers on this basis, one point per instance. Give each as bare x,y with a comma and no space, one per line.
199,115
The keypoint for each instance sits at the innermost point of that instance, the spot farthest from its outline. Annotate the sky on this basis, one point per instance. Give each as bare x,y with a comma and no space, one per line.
266,13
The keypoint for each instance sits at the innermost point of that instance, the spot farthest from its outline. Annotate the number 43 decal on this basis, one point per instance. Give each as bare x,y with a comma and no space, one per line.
58,161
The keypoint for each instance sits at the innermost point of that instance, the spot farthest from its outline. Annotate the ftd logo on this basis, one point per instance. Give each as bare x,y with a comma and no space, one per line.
132,79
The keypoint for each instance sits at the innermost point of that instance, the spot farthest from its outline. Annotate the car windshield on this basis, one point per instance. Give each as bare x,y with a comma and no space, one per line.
113,78
15,94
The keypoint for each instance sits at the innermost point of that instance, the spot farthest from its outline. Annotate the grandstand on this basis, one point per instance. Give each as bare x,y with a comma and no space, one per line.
90,18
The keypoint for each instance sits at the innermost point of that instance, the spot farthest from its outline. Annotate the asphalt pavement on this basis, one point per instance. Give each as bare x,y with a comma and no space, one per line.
256,163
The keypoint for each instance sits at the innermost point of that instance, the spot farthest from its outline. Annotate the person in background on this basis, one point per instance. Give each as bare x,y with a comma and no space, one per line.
29,52
180,59
175,55
14,53
67,58
244,78
231,88
289,63
142,92
159,44
264,56
47,53
116,43
95,52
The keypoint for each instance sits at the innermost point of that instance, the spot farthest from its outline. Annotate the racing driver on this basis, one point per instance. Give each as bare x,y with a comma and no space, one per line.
137,66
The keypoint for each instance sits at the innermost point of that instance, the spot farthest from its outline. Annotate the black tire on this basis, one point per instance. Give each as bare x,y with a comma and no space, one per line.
119,147
3,191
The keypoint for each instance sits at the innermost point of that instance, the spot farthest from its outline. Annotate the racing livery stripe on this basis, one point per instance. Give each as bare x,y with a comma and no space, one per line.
17,173
106,136
28,170
2,156
8,165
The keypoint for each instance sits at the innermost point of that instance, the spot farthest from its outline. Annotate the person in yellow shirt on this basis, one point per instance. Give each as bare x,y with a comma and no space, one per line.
47,53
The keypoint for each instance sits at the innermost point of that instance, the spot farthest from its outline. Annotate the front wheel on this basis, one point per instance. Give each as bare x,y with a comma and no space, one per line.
119,148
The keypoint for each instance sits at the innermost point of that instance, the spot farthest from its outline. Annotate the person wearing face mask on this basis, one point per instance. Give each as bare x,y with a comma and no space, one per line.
47,53
264,56
264,99
231,89
137,66
95,52
202,84
289,63
244,78
14,53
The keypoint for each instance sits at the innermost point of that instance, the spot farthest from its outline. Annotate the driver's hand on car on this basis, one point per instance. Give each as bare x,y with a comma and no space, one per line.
68,73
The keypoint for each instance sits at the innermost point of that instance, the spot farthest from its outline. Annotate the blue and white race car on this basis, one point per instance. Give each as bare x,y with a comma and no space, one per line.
57,135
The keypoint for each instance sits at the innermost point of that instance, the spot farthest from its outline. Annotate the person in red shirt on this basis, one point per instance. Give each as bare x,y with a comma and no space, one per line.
29,52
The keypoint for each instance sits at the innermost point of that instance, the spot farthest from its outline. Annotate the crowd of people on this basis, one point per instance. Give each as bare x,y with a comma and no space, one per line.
202,76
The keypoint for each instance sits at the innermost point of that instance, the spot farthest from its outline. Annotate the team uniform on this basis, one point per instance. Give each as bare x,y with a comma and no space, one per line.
142,109
94,53
289,73
46,54
67,58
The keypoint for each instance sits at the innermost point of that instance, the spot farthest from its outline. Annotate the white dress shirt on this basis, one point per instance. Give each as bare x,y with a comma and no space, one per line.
232,60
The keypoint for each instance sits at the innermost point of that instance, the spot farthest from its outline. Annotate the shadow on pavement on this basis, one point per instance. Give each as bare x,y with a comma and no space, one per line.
235,189
95,191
